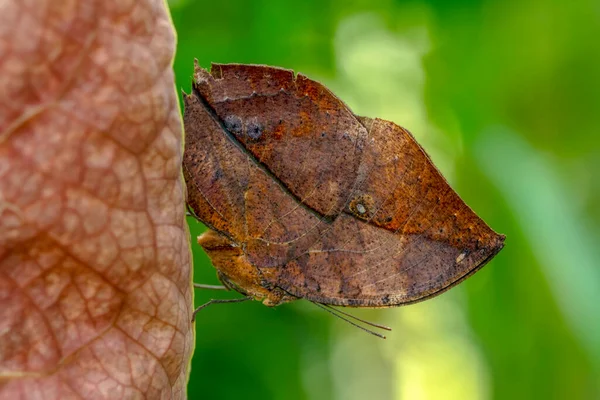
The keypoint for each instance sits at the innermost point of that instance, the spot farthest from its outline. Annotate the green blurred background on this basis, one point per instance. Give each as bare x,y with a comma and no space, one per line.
505,97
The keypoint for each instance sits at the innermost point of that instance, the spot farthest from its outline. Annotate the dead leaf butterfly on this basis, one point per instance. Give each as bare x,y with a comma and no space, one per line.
305,200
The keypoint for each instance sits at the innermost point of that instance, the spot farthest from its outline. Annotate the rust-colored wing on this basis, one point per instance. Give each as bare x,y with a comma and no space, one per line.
327,206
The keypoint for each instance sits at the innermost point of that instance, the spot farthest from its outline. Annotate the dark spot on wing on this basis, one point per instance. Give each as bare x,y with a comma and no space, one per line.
233,124
254,130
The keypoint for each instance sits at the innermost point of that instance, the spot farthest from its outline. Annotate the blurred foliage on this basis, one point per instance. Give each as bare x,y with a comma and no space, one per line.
505,97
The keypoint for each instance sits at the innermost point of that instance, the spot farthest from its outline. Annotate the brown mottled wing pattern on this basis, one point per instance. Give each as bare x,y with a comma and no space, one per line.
330,207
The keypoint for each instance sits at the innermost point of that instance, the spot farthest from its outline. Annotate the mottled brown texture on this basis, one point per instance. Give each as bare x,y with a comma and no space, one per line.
95,279
317,202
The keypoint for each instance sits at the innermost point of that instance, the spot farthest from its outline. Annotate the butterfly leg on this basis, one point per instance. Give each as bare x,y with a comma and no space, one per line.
210,287
218,301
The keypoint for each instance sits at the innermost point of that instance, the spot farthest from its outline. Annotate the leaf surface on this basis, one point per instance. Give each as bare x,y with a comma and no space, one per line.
95,292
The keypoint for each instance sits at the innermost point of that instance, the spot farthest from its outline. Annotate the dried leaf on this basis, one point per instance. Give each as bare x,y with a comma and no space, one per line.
95,293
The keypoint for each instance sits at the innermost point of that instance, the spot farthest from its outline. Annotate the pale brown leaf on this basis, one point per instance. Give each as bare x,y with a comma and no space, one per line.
95,293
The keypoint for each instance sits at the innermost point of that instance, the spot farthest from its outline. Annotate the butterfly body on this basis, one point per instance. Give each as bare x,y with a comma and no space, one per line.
236,273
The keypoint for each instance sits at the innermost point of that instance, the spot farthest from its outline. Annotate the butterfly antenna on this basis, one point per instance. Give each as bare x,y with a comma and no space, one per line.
341,316
373,324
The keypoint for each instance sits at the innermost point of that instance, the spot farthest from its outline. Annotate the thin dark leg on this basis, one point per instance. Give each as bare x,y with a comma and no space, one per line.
218,301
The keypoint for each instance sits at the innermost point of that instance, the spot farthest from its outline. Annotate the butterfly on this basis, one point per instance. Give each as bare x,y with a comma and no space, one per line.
305,200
